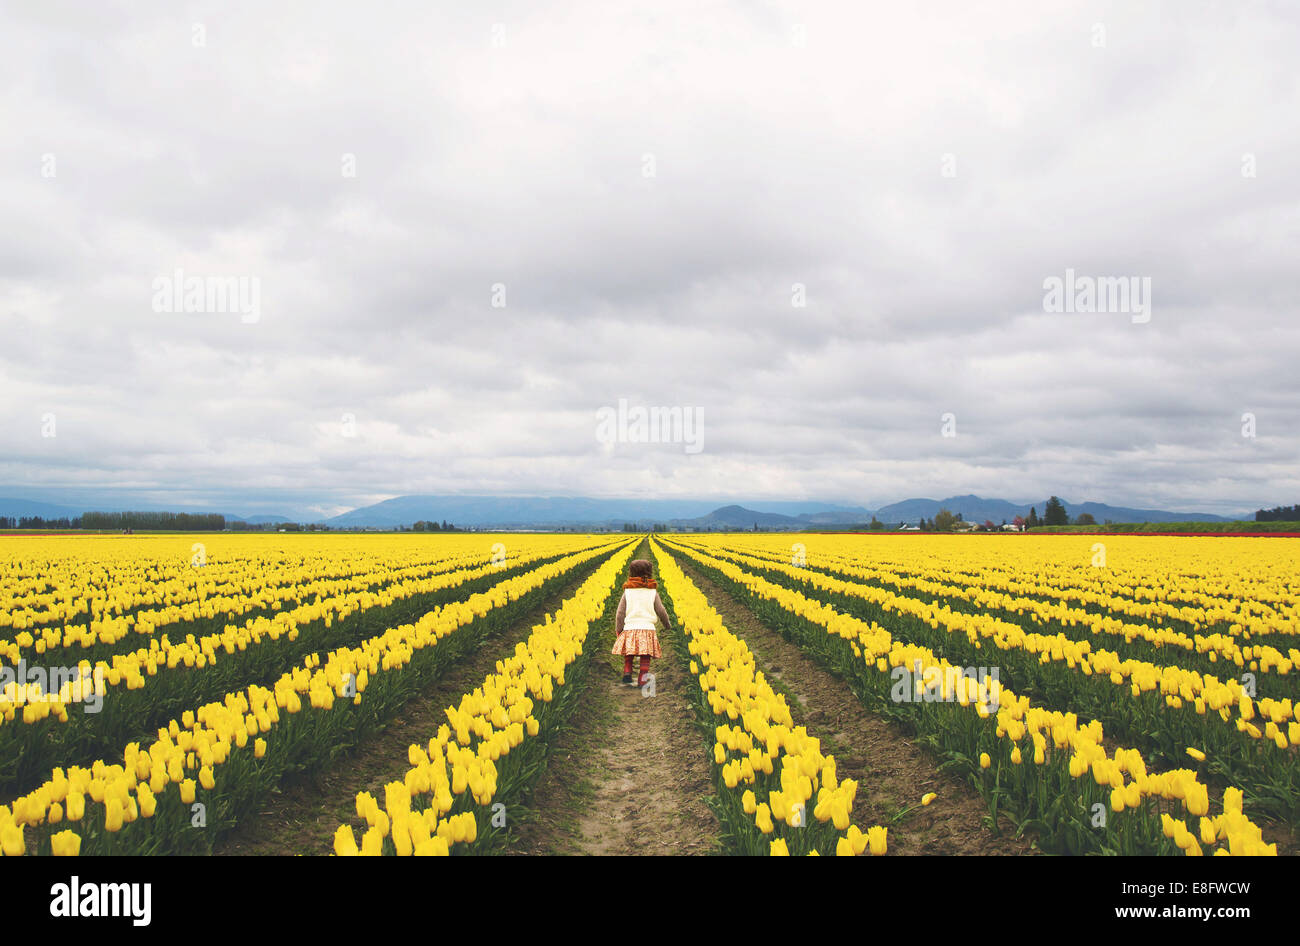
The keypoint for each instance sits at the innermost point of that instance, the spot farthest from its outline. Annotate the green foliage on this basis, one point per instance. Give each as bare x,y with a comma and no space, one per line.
1054,513
944,520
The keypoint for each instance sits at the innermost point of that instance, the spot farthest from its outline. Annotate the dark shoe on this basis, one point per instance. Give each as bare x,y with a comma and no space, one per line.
627,678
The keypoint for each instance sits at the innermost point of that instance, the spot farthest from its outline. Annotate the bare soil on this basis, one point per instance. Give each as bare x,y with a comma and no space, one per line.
632,774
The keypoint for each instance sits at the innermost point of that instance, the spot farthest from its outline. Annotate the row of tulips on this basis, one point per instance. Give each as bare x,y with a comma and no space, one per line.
95,591
77,620
229,754
1249,742
131,668
212,592
1237,585
1248,604
1048,768
769,772
112,704
458,793
1199,651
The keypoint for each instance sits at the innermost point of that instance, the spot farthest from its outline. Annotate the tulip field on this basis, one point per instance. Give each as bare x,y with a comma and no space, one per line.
1137,695
1145,700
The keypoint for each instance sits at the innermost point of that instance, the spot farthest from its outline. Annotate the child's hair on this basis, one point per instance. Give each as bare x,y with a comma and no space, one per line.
640,569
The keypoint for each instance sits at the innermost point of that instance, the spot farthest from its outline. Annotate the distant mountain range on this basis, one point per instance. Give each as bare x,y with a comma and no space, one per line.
529,511
523,512
536,512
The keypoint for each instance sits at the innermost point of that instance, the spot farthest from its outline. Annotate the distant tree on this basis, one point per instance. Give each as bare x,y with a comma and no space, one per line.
1054,513
944,520
1085,519
876,524
989,526
155,521
1278,514
1018,522
1033,518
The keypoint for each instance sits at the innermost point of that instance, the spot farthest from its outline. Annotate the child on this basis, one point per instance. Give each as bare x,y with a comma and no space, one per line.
638,612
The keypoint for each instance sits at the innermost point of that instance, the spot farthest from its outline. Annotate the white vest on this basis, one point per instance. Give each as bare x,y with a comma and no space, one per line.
640,614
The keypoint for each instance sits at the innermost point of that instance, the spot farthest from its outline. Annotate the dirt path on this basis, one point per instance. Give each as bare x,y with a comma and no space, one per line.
303,817
632,773
891,771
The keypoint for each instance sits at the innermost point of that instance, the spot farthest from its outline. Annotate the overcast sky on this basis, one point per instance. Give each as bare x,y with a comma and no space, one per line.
644,188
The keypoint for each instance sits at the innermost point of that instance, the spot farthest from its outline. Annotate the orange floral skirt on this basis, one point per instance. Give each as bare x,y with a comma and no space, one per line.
636,642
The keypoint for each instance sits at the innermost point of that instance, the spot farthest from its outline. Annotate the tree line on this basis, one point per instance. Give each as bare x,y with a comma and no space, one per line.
186,522
152,521
1278,514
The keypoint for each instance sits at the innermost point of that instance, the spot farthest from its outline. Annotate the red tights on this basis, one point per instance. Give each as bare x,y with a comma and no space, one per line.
645,666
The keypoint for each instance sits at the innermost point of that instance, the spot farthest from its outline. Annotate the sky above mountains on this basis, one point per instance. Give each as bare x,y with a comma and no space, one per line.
820,233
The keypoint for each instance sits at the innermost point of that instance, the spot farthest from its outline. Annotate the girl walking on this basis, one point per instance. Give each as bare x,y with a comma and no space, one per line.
639,611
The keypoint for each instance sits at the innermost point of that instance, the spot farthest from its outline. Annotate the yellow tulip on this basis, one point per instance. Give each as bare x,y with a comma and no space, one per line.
345,842
66,843
113,814
434,847
877,839
779,804
402,840
11,840
76,806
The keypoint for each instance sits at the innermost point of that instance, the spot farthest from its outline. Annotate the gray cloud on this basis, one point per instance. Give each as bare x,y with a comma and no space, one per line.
774,163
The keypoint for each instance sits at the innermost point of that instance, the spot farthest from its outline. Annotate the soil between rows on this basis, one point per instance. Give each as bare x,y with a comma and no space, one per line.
631,774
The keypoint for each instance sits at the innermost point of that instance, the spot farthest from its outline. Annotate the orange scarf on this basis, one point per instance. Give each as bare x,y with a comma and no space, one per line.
640,583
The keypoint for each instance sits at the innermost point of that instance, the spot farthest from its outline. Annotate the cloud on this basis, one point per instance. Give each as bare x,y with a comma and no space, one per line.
822,227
